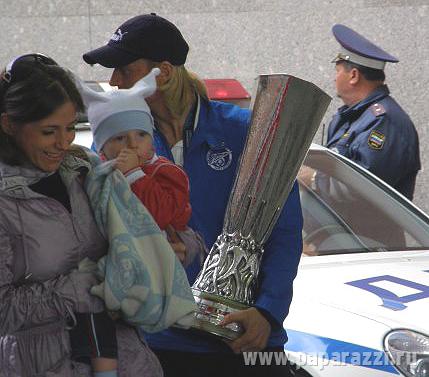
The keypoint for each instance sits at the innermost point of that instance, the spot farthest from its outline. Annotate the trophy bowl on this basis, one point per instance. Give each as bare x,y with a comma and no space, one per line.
286,112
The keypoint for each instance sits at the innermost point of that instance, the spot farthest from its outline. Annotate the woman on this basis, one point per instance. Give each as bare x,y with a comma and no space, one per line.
47,228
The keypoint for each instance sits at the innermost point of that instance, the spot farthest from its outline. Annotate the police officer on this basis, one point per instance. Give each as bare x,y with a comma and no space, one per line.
371,128
207,138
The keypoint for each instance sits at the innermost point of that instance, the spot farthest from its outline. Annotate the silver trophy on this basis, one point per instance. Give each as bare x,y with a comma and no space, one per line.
286,114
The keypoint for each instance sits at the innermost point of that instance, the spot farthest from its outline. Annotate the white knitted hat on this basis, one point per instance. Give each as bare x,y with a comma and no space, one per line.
117,111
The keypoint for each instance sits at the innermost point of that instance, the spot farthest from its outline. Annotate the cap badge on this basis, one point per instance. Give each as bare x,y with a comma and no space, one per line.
118,35
219,159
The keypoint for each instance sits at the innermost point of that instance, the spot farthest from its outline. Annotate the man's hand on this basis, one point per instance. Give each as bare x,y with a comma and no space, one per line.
127,160
306,175
256,330
176,243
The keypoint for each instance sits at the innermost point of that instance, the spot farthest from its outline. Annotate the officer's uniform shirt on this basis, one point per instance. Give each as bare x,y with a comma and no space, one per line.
377,134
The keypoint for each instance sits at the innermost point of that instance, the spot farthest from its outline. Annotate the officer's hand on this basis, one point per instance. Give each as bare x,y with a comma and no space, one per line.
176,243
127,160
306,175
256,330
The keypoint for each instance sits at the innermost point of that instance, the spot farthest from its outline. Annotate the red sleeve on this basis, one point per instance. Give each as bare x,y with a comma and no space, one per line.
164,191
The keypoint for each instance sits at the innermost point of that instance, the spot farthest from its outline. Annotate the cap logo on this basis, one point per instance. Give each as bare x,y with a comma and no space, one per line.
118,35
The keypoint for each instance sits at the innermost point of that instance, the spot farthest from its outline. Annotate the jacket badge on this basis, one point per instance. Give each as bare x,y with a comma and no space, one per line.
219,159
376,140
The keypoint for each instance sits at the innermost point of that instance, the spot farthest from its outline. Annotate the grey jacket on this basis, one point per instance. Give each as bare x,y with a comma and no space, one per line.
41,244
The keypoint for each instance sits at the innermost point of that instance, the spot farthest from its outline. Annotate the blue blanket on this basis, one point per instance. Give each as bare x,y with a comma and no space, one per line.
143,279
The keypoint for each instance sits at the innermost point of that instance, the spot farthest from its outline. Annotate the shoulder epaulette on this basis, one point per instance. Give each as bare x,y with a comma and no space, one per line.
378,109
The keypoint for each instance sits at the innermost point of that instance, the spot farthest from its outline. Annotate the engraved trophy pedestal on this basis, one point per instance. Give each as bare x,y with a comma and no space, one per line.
286,114
211,311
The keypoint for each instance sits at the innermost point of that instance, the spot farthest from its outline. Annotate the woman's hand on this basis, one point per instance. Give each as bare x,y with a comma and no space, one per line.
76,288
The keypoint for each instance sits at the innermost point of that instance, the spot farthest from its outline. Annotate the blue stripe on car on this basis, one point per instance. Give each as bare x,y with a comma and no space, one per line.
337,350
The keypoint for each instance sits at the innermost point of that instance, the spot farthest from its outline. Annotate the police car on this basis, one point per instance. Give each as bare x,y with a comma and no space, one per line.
361,296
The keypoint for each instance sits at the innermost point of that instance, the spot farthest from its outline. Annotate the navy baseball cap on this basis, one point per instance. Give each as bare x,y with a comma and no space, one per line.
146,36
357,49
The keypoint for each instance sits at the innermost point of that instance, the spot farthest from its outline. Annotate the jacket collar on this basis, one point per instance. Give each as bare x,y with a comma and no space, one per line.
15,180
206,131
357,109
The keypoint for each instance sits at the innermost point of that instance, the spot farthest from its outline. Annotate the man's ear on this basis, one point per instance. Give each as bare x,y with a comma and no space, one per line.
6,125
355,76
166,69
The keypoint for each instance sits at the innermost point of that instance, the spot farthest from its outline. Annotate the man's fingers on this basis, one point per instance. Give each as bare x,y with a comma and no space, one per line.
232,317
172,234
242,344
180,250
256,330
176,243
178,247
245,343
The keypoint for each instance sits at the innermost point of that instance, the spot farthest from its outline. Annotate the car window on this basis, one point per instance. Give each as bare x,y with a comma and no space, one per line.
347,212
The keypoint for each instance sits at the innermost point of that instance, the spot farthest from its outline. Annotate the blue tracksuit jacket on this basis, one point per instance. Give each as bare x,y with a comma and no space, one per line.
211,162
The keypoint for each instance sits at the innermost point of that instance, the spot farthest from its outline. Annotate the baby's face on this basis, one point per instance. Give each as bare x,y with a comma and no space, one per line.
137,140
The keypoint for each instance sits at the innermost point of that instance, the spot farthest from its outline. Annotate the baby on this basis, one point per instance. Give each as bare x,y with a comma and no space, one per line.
122,128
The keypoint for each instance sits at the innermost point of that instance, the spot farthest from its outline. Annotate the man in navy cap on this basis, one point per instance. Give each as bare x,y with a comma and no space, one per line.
207,138
371,128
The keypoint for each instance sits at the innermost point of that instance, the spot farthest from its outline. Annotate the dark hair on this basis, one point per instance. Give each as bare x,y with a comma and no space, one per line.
370,74
35,91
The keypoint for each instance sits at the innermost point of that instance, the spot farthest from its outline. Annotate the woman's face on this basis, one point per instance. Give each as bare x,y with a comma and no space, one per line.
46,141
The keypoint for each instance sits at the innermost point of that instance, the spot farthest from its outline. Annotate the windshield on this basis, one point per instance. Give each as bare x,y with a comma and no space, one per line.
346,212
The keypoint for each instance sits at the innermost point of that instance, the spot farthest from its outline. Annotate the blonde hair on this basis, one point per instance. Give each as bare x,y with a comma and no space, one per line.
179,92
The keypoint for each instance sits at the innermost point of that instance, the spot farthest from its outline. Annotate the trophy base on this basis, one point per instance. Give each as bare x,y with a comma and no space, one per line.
212,309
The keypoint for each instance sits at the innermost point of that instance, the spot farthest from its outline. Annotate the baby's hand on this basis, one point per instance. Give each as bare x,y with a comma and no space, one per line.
127,160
